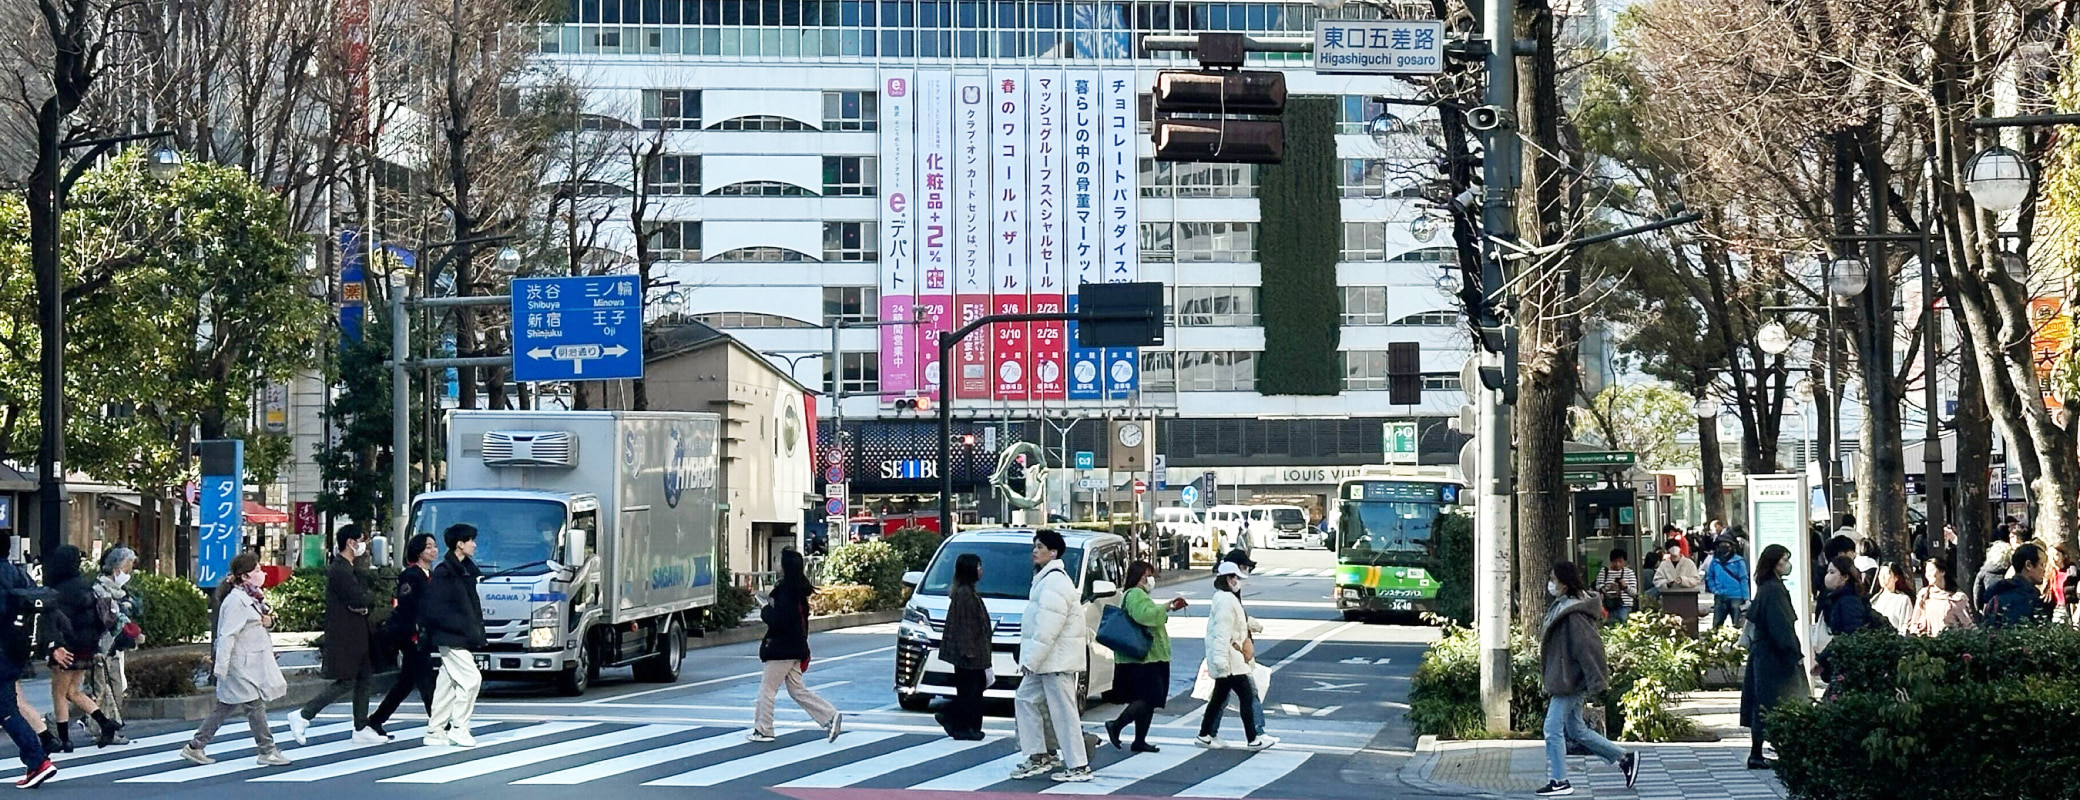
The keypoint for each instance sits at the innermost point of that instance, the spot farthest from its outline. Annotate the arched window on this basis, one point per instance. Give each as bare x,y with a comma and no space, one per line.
766,255
602,122
1432,318
763,123
762,189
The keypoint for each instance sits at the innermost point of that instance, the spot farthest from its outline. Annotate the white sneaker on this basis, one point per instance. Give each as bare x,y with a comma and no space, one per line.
1212,743
299,728
760,737
837,726
1073,775
434,740
1263,742
369,736
196,756
1033,767
461,738
273,758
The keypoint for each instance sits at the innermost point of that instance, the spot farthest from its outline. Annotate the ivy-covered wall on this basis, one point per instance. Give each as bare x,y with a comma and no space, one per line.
1298,241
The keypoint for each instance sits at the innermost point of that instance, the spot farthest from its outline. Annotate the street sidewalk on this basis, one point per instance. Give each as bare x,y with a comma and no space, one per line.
1514,768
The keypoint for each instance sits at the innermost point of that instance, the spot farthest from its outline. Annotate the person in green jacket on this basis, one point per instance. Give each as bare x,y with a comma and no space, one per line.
1145,682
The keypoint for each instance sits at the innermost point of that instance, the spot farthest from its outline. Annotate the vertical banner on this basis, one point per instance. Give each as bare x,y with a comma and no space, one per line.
1044,218
937,220
220,507
1010,233
898,253
971,260
1120,158
353,259
1086,243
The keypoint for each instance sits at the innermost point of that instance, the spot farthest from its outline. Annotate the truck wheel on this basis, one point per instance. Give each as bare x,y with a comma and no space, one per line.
916,701
577,677
664,667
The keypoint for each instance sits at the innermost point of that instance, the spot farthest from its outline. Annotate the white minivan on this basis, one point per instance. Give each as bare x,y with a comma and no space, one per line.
1098,562
1278,527
1229,527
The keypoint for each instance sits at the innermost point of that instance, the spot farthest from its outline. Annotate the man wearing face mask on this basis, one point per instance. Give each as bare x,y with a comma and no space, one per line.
347,662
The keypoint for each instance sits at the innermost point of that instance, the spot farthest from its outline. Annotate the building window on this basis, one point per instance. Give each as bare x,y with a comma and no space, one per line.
671,109
850,111
1198,242
1442,383
1177,179
748,319
1216,371
1365,371
1215,306
1364,305
1428,255
1357,111
862,373
849,304
1158,371
849,241
673,175
762,189
850,176
678,240
764,255
1364,241
762,124
1434,318
1364,177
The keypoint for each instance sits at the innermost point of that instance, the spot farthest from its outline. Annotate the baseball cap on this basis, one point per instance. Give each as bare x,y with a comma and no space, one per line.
1239,558
1226,568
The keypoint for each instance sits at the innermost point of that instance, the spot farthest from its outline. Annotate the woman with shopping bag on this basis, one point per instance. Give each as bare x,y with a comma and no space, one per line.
1229,662
1144,679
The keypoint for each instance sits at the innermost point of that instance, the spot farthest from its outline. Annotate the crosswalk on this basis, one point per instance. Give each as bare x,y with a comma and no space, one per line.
574,752
1285,572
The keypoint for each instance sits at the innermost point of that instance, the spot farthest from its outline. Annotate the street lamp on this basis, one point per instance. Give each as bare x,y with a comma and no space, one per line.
1998,179
1847,277
1774,338
1383,129
1705,407
163,165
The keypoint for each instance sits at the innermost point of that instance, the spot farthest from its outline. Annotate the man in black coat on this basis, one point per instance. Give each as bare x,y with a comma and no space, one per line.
453,617
347,663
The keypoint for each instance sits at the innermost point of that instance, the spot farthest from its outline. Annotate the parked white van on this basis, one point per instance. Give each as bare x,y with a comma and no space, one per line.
1228,526
1278,527
1098,562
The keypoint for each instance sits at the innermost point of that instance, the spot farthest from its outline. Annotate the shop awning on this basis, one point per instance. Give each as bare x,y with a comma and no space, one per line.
256,514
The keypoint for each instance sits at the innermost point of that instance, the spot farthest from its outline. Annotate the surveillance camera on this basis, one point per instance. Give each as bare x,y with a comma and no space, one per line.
1487,118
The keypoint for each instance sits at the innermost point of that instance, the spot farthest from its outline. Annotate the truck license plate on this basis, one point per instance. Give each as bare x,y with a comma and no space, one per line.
484,662
1398,605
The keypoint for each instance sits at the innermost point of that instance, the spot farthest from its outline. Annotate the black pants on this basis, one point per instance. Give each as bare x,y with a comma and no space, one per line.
1140,713
965,713
1218,705
415,671
338,688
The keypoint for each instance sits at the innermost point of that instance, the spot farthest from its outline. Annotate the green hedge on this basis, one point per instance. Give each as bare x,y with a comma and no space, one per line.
1868,662
915,546
842,599
1444,698
874,564
299,602
1299,241
175,611
1451,565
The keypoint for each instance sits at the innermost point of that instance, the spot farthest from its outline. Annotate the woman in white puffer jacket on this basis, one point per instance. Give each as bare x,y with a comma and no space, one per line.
1228,662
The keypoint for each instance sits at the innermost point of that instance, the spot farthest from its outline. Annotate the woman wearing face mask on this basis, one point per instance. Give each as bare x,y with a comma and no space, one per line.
1776,669
1574,669
1144,681
106,679
247,676
1842,606
1228,658
415,660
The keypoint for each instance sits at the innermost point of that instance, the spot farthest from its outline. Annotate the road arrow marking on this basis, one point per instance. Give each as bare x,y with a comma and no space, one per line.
1367,661
1325,711
1339,688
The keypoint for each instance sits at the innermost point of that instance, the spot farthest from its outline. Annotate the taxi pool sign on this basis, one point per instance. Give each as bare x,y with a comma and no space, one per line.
1378,47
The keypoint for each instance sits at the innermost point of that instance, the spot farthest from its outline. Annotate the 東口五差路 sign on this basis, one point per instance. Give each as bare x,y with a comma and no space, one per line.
1379,46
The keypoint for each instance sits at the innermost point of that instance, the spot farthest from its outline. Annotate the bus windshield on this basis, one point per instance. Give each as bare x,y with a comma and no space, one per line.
1390,520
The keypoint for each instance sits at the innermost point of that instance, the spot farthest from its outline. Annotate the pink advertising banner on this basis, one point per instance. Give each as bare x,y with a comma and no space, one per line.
1044,222
899,367
938,219
1010,259
971,257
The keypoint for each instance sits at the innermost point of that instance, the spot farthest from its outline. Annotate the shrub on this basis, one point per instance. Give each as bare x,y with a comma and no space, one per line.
1653,663
299,602
1451,566
914,547
165,674
872,564
174,610
842,599
1868,662
732,604
1444,698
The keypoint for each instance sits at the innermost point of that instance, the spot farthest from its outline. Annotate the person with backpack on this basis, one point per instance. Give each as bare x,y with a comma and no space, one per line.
17,644
1726,577
2017,600
78,619
107,680
1144,682
1574,668
415,663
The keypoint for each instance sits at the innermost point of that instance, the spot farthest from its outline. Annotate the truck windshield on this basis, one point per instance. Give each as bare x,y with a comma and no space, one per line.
1007,568
518,535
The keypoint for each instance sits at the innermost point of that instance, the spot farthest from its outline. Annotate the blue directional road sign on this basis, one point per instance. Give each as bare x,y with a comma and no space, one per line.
1086,459
577,329
1190,495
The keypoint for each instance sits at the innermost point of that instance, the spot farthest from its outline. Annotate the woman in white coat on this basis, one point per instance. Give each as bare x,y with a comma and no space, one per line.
247,675
1228,660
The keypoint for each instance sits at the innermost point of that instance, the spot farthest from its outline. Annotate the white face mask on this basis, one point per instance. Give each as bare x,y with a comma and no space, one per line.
256,578
1552,588
122,578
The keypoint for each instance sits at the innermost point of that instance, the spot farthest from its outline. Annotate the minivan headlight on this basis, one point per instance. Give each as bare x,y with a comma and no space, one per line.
914,615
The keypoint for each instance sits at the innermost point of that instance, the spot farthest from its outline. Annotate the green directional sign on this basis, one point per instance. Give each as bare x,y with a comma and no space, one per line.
1600,458
1581,476
1400,440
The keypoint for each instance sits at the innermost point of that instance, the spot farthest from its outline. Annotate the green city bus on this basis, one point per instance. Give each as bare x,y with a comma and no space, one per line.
1384,522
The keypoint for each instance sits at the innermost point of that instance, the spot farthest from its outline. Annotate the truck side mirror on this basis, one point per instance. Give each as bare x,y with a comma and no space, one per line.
575,552
379,550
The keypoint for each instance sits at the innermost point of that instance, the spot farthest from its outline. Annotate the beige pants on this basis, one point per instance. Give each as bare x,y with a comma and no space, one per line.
790,673
455,695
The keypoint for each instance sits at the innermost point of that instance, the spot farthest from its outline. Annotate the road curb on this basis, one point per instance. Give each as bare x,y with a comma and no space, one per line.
1416,774
754,631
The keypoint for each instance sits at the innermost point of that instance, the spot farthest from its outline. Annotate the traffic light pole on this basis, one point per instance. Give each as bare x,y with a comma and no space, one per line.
947,341
1500,179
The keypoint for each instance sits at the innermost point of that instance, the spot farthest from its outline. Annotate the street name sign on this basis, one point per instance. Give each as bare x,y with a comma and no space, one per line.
1378,47
586,328
1600,458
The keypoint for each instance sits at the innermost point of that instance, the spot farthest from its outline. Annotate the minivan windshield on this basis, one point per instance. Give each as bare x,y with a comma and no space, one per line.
1288,516
1007,568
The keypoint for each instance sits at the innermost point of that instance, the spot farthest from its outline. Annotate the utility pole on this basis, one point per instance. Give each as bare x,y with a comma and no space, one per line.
1497,357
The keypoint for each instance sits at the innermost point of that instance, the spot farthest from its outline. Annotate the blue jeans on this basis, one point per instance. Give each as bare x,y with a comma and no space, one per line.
1619,616
1725,608
25,738
1564,722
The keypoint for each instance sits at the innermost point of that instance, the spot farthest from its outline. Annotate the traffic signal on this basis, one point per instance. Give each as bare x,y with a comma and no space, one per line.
920,403
1226,107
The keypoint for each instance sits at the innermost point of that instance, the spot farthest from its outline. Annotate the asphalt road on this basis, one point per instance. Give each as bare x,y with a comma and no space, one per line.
1337,700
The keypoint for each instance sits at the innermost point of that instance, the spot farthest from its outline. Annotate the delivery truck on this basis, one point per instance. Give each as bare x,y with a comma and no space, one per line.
595,533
